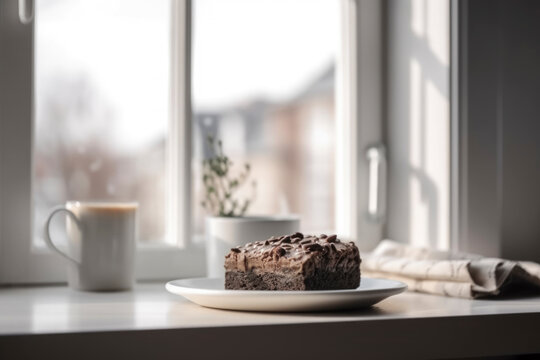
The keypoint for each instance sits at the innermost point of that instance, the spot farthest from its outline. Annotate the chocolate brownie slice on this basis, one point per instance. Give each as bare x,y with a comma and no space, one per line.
293,262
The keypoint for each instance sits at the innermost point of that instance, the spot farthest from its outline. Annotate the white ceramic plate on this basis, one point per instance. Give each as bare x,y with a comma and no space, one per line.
210,293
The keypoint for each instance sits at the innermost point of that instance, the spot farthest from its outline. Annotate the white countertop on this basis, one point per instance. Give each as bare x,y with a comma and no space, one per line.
34,312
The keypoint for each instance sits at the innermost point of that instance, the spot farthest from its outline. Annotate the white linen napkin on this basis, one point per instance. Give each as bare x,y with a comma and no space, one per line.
448,273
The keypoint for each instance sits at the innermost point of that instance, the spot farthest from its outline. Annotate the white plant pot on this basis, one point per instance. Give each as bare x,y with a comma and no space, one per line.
224,233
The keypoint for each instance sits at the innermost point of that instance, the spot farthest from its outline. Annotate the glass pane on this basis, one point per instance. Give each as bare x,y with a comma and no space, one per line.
101,95
263,83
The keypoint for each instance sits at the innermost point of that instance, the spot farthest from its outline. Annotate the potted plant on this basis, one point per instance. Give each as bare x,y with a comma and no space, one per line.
228,226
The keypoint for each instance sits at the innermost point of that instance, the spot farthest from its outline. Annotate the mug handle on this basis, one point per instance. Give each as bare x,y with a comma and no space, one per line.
47,233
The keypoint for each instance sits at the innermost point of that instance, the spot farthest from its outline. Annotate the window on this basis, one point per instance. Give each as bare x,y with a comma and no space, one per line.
94,111
268,92
97,103
102,110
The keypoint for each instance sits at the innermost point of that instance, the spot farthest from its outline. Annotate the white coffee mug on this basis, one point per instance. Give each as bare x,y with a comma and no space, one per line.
101,244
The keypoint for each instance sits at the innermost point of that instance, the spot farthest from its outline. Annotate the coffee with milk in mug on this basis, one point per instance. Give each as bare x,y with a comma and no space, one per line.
101,238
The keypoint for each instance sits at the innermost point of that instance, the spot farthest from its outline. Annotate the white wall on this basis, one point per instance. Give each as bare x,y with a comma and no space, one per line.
499,96
418,122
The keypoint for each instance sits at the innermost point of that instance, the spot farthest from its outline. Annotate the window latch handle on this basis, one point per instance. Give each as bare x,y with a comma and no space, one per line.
26,11
377,167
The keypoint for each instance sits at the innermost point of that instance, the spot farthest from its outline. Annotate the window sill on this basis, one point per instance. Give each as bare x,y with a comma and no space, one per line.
151,323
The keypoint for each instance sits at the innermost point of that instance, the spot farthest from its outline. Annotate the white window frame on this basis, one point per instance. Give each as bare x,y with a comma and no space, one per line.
20,261
359,114
359,120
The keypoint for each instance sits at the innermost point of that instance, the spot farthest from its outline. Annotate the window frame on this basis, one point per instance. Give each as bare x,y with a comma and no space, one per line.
20,261
359,115
359,119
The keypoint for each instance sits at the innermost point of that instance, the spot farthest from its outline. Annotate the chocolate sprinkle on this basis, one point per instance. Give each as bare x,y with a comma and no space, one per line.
279,251
313,247
285,240
332,238
236,250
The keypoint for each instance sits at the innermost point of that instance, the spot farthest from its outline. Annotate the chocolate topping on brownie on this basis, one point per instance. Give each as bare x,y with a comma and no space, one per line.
301,254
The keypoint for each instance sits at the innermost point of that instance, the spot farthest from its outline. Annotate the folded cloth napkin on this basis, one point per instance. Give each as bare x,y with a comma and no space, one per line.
448,273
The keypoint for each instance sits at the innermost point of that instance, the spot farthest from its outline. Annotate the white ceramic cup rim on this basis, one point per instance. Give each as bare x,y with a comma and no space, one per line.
103,204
